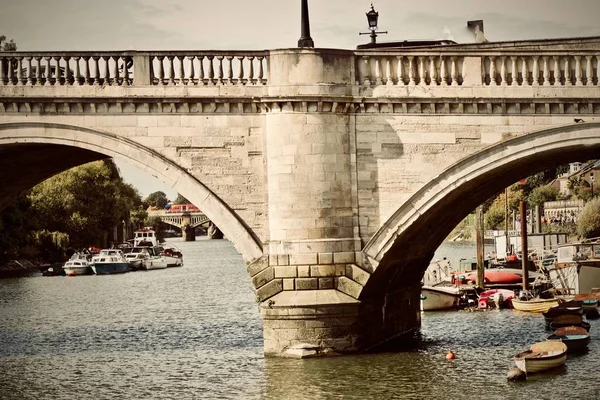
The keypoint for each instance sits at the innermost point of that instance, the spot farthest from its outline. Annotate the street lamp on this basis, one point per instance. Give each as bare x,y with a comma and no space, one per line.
372,17
592,183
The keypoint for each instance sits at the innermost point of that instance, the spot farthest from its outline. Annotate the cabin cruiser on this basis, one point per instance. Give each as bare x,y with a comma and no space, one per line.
109,261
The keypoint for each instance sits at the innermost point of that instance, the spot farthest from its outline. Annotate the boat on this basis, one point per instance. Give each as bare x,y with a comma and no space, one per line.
575,337
497,277
573,308
542,356
78,264
577,267
109,261
438,271
145,237
171,254
499,298
569,320
440,297
136,260
154,262
534,305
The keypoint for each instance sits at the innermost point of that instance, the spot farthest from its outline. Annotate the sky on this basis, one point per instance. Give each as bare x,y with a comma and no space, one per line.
47,25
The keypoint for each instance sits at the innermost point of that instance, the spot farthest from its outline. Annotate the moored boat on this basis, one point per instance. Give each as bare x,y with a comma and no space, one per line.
534,305
572,308
500,298
78,264
172,255
439,297
569,320
542,356
575,337
497,276
109,261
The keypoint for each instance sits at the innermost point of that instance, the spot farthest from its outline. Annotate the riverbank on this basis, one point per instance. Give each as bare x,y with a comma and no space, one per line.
16,268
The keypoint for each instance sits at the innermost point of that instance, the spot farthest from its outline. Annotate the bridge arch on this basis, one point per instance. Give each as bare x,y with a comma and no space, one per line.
92,144
402,248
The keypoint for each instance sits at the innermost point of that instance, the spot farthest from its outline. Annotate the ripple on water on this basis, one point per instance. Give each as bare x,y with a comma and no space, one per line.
195,332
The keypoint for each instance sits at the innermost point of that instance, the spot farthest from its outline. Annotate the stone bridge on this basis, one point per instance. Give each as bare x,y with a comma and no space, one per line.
335,173
181,219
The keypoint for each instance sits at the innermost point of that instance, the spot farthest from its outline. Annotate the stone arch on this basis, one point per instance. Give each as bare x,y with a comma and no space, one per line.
402,248
96,144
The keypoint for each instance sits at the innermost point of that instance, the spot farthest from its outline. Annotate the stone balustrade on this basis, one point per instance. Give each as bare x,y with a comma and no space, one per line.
133,68
473,68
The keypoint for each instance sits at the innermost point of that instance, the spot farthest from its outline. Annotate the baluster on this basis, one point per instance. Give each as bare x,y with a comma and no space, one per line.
557,74
240,77
76,72
411,71
19,71
493,81
443,71
191,73
229,70
568,81
127,64
86,71
211,70
260,69
96,71
29,71
170,71
432,71
161,71
589,74
503,79
578,81
115,75
3,61
106,74
58,74
219,70
597,70
38,71
388,71
453,72
536,71
250,80
515,74
524,73
546,71
181,71
378,80
367,69
400,71
201,71
10,71
422,73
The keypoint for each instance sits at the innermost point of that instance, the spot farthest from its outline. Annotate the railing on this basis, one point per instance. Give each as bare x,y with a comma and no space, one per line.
447,68
133,68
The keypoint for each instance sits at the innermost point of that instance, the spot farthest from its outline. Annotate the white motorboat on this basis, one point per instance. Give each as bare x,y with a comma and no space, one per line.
145,237
154,262
109,261
172,255
78,264
439,297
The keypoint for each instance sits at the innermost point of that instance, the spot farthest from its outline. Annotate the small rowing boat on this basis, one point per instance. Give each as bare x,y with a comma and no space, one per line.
534,305
542,356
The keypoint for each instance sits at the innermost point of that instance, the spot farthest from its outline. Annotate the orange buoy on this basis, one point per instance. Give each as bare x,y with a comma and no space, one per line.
450,355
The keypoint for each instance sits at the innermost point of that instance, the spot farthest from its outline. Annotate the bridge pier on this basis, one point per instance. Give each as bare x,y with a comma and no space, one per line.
314,242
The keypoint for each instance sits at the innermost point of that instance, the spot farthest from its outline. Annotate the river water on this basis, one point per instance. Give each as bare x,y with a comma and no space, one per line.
195,333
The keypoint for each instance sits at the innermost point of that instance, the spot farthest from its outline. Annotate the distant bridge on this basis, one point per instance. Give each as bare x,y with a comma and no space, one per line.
181,219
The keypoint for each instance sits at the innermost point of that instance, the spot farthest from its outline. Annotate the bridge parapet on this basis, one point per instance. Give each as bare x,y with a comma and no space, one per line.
190,68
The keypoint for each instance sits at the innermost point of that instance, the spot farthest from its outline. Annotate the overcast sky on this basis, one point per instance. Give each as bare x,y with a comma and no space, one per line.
269,24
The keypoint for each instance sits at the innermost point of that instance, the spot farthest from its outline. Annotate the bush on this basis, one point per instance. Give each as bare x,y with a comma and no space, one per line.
588,225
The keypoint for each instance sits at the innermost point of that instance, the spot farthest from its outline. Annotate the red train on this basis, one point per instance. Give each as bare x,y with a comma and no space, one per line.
181,208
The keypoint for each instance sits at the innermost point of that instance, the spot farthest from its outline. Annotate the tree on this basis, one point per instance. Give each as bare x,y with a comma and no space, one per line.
181,200
85,202
7,46
157,199
138,217
15,228
588,224
541,194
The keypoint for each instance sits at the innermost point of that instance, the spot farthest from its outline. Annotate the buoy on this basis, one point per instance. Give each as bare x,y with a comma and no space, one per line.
516,374
450,355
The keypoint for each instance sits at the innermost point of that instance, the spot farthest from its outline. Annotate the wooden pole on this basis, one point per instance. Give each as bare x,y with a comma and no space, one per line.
506,222
480,249
524,258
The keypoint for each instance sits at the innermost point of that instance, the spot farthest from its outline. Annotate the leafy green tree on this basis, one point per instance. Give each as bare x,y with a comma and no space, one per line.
541,194
85,202
15,228
138,217
588,224
157,199
7,46
181,200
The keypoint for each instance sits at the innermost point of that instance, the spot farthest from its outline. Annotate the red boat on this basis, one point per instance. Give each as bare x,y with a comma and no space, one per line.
496,277
495,296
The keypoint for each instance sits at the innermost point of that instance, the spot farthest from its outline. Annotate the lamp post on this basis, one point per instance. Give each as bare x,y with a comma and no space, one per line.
305,39
372,17
592,183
